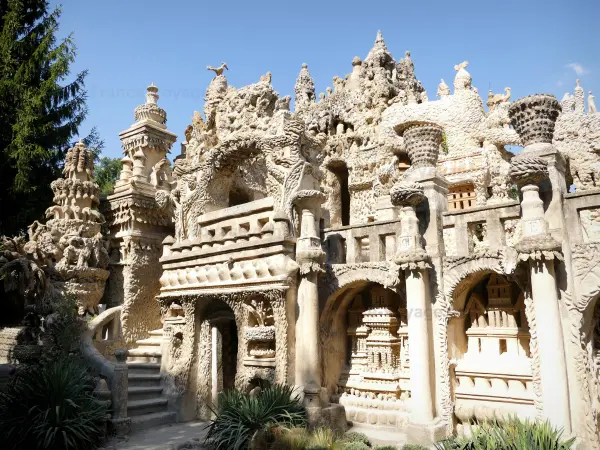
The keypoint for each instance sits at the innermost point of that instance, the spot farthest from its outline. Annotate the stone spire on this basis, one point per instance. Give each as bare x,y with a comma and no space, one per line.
71,241
145,144
579,98
379,55
150,110
304,89
443,89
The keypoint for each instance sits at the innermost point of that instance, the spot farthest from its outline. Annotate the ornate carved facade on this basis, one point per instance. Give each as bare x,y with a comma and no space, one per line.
379,249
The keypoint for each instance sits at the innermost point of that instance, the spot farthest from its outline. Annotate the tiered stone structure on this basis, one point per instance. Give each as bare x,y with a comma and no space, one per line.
384,252
137,223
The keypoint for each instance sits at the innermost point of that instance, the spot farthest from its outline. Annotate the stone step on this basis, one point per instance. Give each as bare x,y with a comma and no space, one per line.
143,380
143,367
144,355
152,341
146,421
158,332
143,392
148,406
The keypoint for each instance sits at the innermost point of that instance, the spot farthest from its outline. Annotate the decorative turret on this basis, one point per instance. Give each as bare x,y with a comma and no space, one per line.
150,110
145,144
304,89
70,242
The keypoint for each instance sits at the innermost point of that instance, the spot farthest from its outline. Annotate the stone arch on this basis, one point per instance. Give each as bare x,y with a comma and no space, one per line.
342,286
466,271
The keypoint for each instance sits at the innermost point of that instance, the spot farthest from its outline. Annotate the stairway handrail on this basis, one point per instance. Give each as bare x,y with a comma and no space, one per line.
115,373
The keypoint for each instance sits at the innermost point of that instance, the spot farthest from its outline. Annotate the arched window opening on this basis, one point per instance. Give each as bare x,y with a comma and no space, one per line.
341,174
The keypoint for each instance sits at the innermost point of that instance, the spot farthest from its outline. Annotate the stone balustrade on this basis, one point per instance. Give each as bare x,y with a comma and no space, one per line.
583,216
486,228
239,245
369,242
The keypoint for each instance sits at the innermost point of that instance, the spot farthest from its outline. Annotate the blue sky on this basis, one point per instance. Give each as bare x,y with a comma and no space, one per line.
533,46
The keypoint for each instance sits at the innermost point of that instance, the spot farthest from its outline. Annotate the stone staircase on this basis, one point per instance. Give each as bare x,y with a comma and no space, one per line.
146,402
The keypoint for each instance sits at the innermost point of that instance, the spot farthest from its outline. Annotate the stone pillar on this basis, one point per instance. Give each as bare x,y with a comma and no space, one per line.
119,421
419,347
415,263
309,256
216,372
540,250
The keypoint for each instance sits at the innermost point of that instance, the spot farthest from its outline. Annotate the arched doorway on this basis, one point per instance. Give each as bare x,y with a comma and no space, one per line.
490,344
223,345
366,363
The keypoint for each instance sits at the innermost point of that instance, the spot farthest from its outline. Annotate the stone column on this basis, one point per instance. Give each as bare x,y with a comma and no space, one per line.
119,421
540,250
414,261
309,256
137,223
533,118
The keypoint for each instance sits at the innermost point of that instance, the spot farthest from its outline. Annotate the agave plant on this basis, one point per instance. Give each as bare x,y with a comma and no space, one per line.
241,418
51,407
514,434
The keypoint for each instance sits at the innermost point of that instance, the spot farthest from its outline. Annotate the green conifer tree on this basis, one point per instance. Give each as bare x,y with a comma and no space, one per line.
41,108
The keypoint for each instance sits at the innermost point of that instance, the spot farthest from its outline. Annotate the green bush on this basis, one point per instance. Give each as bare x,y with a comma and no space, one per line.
356,445
354,436
240,417
412,447
50,407
512,435
391,447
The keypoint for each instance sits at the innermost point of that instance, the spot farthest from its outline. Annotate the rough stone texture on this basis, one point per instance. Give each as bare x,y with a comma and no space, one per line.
322,236
534,117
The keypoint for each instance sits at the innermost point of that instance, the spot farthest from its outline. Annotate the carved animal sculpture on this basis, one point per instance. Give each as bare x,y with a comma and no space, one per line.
218,70
495,99
462,65
266,78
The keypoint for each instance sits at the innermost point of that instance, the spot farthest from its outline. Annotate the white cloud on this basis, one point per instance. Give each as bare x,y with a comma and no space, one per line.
578,68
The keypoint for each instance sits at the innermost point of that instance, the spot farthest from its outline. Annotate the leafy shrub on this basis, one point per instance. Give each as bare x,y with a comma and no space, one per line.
411,447
50,407
512,435
356,445
391,447
354,436
240,417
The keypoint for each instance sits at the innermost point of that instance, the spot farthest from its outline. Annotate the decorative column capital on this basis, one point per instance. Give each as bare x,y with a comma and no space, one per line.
309,254
410,254
527,172
534,117
422,141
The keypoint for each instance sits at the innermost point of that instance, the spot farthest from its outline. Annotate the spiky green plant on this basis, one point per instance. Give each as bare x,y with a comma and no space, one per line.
50,407
325,438
240,417
514,434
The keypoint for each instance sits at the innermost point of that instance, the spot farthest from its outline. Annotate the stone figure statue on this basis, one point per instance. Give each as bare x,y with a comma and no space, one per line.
591,103
218,70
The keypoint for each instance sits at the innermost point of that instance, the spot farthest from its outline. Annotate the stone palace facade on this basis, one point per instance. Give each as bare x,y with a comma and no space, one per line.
380,250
